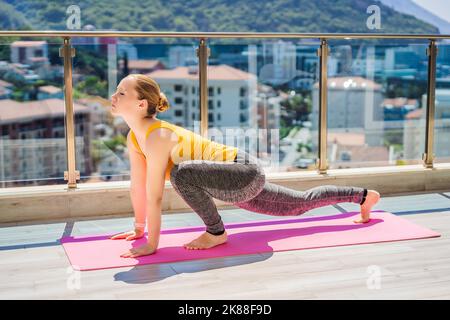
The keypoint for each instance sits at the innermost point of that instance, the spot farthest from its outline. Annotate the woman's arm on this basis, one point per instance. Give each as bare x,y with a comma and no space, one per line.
157,158
138,169
138,173
159,148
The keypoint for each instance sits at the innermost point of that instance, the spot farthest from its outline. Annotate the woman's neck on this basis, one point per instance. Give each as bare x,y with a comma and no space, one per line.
139,126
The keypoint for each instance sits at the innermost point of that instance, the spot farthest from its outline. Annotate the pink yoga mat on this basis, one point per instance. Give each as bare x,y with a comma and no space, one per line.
99,252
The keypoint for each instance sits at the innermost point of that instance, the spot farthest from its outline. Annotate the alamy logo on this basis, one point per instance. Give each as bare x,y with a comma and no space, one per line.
373,21
374,279
74,279
74,20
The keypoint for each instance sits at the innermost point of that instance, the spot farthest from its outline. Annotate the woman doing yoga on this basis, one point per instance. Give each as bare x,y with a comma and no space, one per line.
199,170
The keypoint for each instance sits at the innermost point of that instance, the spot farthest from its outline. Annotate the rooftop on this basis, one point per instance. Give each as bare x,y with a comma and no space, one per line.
50,89
12,110
28,43
219,72
143,64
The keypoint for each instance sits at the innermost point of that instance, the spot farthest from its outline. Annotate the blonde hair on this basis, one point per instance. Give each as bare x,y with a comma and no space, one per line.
148,89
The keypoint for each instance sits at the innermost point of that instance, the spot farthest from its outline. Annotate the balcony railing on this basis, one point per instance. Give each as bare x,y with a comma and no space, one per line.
67,52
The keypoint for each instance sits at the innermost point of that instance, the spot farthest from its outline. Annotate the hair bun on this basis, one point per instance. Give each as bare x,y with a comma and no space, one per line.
163,103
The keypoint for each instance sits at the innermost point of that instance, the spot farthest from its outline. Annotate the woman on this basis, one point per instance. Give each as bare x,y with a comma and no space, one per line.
199,170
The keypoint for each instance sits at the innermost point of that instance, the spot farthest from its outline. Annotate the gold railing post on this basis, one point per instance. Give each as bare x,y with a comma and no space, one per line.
322,52
428,155
72,175
203,54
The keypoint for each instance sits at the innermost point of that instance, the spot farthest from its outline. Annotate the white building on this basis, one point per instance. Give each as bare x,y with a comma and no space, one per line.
180,56
231,97
280,63
414,133
33,53
354,105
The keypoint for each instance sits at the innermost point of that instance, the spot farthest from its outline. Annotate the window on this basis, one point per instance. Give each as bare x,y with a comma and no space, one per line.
193,90
178,113
210,104
218,103
210,91
193,103
178,87
178,100
218,90
345,156
210,117
242,92
218,116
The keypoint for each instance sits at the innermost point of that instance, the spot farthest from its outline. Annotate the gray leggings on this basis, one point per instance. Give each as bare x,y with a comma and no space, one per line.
243,184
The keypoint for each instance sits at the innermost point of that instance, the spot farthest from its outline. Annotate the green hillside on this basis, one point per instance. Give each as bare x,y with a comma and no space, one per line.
210,16
10,18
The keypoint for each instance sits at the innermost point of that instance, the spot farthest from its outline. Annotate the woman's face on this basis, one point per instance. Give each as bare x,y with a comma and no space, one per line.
125,101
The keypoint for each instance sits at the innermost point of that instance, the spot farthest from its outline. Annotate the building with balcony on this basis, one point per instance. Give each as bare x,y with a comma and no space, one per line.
33,141
33,53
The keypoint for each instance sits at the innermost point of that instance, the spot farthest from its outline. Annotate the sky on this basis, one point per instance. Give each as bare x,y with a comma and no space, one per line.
441,8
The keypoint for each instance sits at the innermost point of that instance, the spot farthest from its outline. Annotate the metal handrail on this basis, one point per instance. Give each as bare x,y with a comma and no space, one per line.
210,35
67,53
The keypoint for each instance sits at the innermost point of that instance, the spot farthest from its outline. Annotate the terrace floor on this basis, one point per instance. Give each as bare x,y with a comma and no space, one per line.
33,265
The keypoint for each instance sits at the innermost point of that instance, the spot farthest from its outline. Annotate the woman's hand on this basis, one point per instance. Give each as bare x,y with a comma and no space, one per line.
143,250
129,235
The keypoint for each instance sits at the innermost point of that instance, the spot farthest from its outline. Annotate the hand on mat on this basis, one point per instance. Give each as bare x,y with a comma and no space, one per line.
129,235
143,250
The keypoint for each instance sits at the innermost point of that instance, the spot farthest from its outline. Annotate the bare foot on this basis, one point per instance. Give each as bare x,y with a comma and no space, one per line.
372,198
206,241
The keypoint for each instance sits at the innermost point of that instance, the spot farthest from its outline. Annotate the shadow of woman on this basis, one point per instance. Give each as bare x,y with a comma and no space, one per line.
241,248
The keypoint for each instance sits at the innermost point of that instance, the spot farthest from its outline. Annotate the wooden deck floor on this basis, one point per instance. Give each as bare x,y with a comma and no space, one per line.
33,265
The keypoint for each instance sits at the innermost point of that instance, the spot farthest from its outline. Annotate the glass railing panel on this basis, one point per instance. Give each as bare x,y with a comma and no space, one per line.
441,143
261,92
376,111
99,65
32,112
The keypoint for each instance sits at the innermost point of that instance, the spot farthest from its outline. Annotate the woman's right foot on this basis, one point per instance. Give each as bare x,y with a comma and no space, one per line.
206,241
372,198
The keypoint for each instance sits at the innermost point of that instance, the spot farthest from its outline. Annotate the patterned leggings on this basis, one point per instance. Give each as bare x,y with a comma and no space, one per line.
243,184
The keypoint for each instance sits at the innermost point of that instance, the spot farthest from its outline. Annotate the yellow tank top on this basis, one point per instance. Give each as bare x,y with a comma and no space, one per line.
190,146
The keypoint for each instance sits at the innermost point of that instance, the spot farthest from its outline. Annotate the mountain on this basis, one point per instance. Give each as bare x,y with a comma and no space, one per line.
10,18
216,15
412,8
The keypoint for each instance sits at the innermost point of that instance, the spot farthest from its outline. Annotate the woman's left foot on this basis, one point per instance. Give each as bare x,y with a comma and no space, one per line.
372,198
206,241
